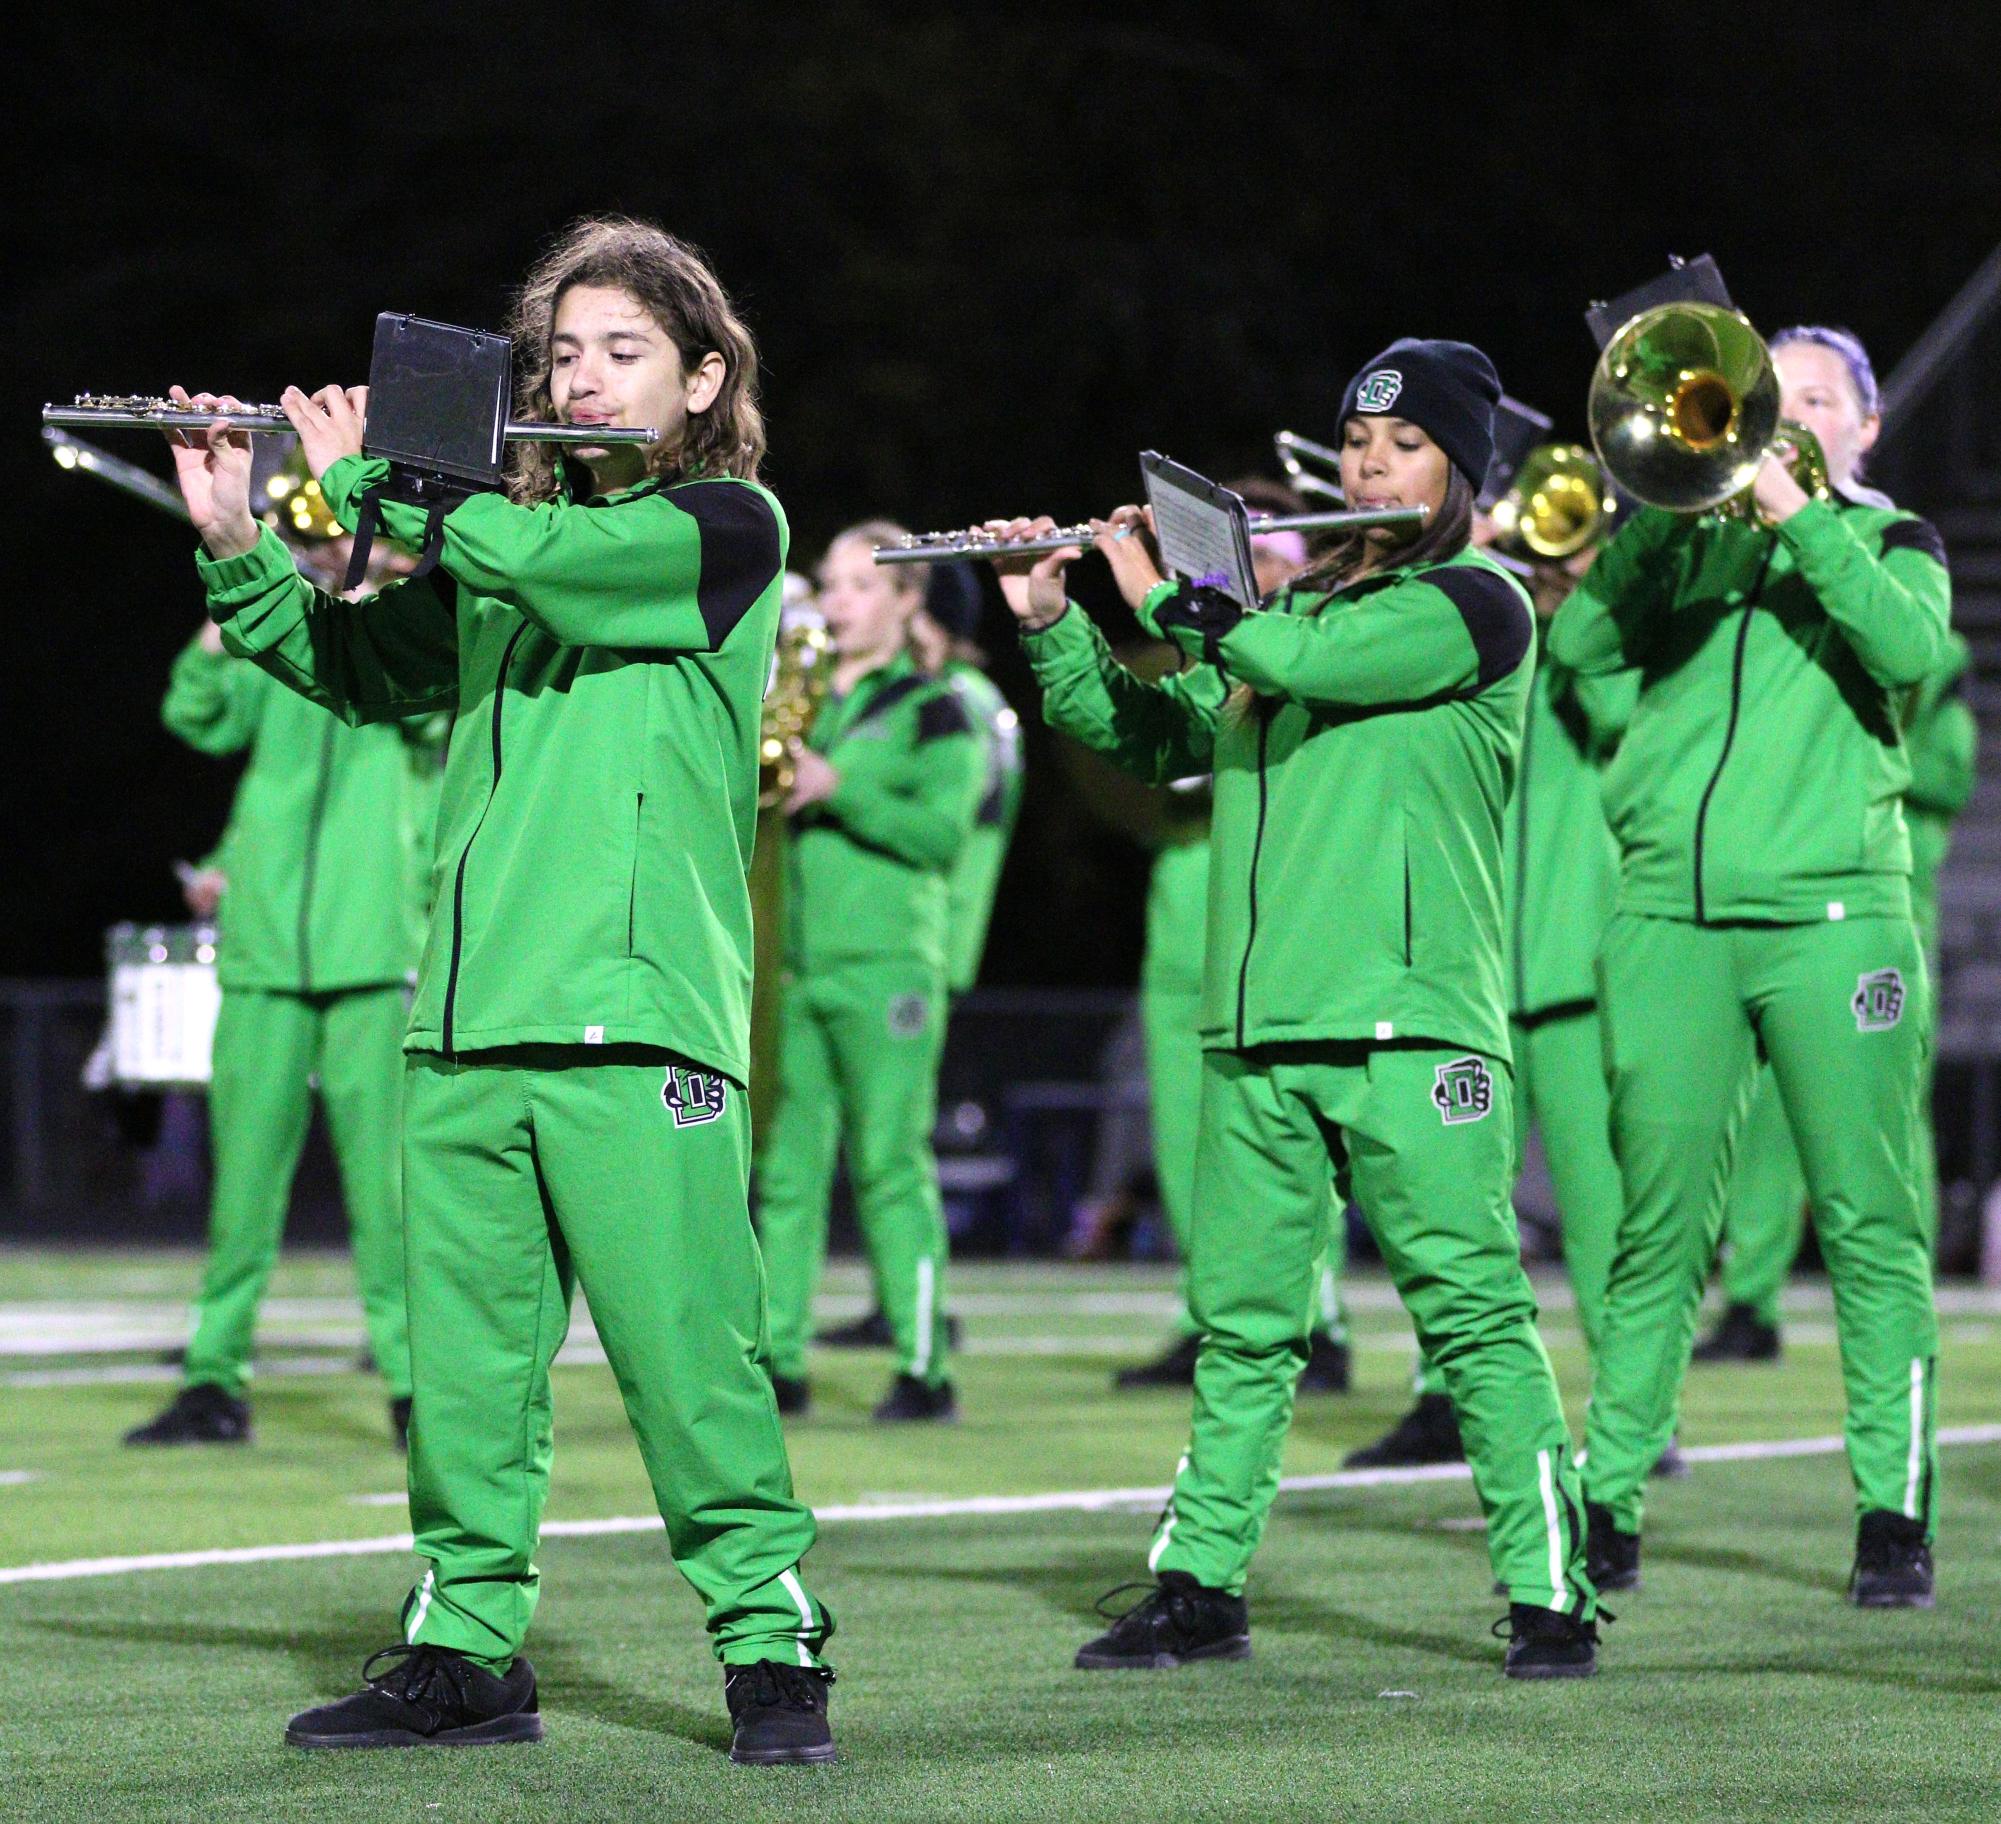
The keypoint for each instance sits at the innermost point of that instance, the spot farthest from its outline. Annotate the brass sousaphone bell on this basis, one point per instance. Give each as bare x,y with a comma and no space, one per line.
1684,406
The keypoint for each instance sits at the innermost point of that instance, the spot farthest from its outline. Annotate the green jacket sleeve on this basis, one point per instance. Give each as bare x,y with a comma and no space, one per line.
390,656
1894,606
1942,744
1449,630
916,801
663,570
1608,702
1605,622
213,702
1159,731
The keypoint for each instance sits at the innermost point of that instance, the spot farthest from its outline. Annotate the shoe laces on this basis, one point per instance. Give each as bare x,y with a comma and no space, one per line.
1177,1601
415,1673
1513,1626
775,1686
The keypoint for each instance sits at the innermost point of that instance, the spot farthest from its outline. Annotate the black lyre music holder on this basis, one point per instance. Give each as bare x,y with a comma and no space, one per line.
437,412
1518,429
1693,281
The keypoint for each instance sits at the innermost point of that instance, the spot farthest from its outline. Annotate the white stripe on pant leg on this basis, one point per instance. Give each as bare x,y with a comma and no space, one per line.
792,1588
927,1277
1917,1438
423,1607
1553,1528
1167,1519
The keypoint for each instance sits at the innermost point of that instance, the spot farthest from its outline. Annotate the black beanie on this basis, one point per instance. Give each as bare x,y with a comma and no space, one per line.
952,599
1447,389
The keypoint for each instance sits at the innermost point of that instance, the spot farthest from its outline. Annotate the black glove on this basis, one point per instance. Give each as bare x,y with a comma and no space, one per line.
1208,612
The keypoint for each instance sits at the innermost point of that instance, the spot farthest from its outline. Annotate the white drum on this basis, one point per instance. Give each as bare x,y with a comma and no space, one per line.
164,1000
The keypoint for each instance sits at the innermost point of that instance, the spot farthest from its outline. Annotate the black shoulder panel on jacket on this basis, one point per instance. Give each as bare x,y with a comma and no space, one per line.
943,714
741,552
887,698
1914,535
1497,620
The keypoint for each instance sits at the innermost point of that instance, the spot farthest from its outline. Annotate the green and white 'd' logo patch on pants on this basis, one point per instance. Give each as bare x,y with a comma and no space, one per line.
694,1095
1463,1091
908,1015
1879,1000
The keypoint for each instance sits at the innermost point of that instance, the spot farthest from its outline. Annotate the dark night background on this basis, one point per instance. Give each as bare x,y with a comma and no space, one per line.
988,255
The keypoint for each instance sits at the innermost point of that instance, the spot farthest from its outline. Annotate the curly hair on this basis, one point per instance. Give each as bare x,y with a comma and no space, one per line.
676,286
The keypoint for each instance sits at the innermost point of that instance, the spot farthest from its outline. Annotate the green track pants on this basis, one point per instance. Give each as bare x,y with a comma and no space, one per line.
1560,1086
268,1049
1764,1207
1420,1137
1842,1011
1170,1020
527,1173
858,1050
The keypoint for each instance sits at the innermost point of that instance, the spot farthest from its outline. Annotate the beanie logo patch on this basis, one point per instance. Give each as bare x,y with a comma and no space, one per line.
1379,391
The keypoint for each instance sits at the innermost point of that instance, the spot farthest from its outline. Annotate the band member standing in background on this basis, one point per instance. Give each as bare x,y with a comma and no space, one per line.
1354,1006
318,885
1170,989
1561,873
1765,907
887,791
575,1105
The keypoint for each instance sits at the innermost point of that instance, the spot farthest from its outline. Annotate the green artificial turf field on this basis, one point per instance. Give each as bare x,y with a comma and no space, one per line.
1737,1685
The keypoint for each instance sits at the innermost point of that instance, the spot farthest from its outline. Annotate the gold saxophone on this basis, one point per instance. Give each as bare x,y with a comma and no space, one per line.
800,669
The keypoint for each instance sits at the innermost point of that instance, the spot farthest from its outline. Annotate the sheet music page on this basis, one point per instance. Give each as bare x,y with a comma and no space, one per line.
1201,528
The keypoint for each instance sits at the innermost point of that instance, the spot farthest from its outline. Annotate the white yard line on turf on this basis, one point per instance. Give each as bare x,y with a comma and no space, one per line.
1078,1501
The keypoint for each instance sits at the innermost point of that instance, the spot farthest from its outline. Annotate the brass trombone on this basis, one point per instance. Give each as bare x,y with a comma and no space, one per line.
1295,452
1684,406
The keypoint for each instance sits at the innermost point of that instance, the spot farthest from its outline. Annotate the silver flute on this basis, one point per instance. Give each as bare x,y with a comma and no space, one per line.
148,412
973,546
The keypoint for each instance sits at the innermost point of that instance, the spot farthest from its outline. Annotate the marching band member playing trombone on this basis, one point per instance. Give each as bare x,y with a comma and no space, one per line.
1363,731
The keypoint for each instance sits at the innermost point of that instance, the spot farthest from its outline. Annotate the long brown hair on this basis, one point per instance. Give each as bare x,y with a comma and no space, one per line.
1445,534
678,289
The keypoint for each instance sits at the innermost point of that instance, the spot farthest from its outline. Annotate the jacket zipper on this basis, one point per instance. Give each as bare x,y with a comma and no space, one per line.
459,883
310,874
1257,849
1729,727
1522,851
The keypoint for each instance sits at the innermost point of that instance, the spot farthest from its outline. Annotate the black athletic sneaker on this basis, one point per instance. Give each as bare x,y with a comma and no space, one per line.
1611,1558
1893,1564
1741,1335
780,1713
425,1697
910,1400
793,1396
1327,1366
399,1421
1177,1621
1175,1368
1544,1644
873,1332
202,1414
1670,1465
1428,1433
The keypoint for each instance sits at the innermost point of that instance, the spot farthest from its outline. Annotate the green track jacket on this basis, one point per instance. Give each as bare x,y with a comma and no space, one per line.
870,867
976,874
605,660
1764,771
1561,864
328,836
1355,878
